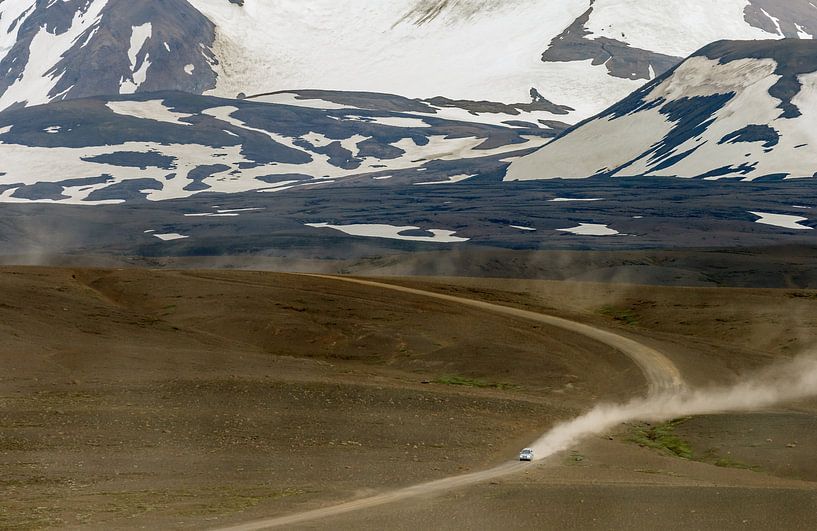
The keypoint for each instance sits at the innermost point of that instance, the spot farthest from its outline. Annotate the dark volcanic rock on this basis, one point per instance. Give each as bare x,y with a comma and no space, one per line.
132,159
480,107
620,58
199,173
753,133
126,190
791,17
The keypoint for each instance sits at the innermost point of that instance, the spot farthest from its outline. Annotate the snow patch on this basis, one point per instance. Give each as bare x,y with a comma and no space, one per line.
779,32
783,221
170,236
574,199
149,110
350,144
234,210
392,232
801,32
451,180
139,36
138,39
396,121
224,212
591,229
290,98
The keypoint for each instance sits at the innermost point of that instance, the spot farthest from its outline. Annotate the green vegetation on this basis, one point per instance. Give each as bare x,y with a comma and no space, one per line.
575,457
712,457
726,462
473,382
656,471
623,315
662,437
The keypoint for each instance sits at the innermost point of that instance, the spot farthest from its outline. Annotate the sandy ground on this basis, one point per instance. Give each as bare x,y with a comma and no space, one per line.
137,398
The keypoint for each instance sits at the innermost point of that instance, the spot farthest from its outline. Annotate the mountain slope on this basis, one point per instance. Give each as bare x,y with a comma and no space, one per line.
742,109
172,145
585,54
76,48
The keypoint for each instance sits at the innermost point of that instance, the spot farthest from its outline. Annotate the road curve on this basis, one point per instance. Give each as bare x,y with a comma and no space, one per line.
661,374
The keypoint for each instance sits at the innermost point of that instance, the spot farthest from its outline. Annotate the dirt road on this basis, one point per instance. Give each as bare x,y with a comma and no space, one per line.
661,374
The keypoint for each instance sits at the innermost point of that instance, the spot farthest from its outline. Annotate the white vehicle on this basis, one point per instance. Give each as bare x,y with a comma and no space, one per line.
526,454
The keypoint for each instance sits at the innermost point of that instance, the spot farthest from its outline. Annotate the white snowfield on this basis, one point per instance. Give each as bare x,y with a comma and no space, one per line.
451,180
392,232
783,221
673,27
599,147
475,50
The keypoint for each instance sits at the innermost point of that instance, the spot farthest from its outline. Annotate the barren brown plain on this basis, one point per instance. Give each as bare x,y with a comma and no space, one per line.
140,398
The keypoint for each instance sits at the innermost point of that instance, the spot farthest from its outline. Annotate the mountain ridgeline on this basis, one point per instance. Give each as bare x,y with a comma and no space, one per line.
582,54
734,109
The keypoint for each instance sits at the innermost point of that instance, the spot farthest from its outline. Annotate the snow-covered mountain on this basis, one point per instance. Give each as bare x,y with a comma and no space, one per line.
54,50
584,54
207,127
171,145
735,109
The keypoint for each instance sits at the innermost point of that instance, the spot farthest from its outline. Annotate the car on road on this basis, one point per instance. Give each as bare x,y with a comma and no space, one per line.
526,454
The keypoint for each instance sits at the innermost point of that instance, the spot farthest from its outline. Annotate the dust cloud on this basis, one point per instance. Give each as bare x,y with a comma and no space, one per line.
787,382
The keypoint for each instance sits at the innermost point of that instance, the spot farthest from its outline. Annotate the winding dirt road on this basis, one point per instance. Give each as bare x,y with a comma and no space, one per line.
661,374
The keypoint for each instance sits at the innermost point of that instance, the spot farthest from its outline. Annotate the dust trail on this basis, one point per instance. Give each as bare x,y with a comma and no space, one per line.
784,383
